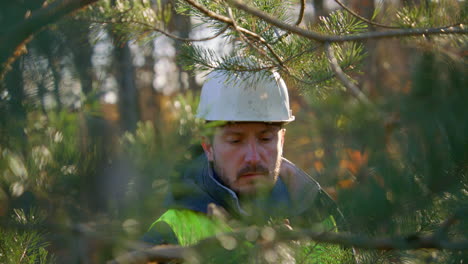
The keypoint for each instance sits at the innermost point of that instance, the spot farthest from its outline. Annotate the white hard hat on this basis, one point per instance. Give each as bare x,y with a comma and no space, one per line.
246,97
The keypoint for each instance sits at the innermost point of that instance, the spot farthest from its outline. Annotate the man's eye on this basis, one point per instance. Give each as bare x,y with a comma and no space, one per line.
266,139
233,141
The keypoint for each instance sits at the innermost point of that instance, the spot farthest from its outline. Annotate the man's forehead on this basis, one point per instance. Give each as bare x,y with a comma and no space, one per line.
239,127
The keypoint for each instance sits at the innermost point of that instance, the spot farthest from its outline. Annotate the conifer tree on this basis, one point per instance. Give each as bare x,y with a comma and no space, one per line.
382,102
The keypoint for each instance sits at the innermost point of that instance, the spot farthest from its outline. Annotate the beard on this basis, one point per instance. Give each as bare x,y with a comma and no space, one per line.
265,184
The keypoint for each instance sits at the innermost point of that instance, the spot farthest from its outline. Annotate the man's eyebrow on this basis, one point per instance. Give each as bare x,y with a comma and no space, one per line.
231,132
266,132
271,129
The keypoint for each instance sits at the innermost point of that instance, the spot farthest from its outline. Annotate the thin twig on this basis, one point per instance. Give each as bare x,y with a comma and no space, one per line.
272,51
301,13
24,251
153,28
350,86
363,18
356,37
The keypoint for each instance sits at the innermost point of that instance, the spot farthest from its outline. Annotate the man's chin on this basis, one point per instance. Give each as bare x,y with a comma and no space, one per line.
254,188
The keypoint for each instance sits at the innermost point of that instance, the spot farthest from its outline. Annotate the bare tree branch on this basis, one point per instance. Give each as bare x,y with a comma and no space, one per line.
13,39
356,37
301,13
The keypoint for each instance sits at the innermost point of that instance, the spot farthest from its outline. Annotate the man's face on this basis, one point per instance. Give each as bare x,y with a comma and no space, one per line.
246,156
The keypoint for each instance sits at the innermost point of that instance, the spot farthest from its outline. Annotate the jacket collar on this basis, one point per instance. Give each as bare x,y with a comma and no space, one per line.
276,199
200,186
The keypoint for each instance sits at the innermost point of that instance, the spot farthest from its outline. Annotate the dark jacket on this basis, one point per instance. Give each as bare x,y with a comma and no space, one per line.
295,196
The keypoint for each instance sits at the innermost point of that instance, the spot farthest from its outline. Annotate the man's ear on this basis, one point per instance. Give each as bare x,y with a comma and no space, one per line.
207,148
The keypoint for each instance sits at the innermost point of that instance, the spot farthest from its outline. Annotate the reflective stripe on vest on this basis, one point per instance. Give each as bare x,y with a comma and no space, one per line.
190,227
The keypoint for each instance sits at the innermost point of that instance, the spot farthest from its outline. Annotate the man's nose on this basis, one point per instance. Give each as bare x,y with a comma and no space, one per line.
252,155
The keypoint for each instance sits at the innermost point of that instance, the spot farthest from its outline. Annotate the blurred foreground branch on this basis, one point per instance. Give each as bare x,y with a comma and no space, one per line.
155,254
178,253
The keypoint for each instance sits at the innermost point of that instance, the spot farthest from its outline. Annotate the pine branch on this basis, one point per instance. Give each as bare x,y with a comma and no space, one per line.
242,36
350,86
224,19
153,28
356,37
363,18
259,38
230,20
373,23
198,58
299,54
298,22
208,12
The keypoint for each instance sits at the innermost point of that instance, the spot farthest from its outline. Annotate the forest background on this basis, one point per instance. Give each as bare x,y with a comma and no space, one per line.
98,101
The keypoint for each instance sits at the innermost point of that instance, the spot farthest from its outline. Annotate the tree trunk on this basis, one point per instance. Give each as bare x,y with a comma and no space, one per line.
82,53
56,75
148,107
128,98
41,92
182,26
17,111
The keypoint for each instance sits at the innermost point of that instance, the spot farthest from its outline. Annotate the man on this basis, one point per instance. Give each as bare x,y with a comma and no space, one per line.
242,171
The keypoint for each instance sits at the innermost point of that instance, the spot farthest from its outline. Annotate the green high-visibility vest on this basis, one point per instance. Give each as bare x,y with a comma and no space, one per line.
190,226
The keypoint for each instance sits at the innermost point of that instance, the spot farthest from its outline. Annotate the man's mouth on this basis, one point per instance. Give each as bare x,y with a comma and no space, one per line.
252,174
252,171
